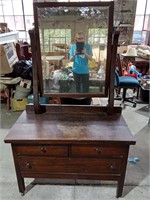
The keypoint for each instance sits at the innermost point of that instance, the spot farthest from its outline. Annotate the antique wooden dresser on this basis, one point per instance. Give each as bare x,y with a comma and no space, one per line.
78,145
73,142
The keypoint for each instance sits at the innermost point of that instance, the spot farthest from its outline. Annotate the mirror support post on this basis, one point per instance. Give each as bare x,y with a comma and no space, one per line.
37,106
112,71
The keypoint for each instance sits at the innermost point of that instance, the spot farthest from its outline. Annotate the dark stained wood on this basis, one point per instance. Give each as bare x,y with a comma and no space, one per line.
34,72
102,110
59,129
69,141
37,88
32,164
112,71
109,49
70,146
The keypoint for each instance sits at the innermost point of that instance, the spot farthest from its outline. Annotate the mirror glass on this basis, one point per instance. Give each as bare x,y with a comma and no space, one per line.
73,48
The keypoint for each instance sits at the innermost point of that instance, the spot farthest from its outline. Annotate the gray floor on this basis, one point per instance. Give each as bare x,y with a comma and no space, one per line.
137,182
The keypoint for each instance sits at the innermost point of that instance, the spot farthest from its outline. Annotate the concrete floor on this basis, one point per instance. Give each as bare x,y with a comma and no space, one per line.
137,181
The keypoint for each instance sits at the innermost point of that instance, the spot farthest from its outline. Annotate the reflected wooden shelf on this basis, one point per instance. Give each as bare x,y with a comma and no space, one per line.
61,46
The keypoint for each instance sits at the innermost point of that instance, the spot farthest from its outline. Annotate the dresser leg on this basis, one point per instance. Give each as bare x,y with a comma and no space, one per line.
21,185
119,188
20,179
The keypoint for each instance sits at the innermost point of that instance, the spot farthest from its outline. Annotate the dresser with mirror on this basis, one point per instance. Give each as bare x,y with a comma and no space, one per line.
63,141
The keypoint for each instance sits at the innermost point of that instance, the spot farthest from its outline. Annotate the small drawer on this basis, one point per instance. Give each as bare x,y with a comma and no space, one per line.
97,151
50,150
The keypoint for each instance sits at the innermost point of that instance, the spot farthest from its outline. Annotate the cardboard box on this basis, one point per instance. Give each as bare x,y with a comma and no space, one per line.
8,57
19,104
3,27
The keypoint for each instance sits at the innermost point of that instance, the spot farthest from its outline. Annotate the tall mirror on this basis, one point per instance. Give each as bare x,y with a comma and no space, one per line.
74,42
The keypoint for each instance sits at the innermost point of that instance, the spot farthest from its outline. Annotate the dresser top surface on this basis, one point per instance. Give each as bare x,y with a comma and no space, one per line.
69,128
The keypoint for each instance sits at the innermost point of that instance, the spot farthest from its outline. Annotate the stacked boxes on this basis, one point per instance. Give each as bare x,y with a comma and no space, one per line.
22,91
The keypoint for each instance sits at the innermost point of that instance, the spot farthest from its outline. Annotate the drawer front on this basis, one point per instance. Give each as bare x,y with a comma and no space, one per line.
69,165
50,150
97,151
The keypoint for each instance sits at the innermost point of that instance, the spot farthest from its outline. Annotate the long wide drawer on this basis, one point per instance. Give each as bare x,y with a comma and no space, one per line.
50,150
97,151
69,165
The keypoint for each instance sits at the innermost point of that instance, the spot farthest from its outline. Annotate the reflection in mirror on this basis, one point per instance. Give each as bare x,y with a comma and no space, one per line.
64,69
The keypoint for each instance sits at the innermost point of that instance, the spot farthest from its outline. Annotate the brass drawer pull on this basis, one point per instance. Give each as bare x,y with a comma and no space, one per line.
43,149
98,150
112,167
29,166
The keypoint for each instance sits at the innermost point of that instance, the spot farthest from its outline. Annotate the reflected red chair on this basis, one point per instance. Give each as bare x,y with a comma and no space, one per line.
23,51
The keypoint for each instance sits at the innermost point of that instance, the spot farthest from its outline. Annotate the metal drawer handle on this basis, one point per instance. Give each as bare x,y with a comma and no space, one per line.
43,149
112,167
98,150
29,166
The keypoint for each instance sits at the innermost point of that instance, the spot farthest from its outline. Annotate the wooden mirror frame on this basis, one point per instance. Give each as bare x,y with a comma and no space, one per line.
37,48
